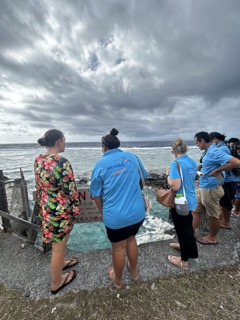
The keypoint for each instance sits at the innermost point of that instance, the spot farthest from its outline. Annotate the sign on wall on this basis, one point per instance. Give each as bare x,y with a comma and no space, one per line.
88,209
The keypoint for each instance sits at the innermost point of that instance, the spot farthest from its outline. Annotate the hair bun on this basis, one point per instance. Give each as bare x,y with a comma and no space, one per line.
42,142
178,142
179,146
217,135
114,132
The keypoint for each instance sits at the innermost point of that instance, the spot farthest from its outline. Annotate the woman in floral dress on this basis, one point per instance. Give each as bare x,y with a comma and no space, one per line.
57,198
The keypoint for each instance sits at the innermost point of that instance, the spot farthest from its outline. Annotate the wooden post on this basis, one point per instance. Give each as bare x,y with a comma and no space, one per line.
32,235
36,220
24,193
18,208
19,220
3,203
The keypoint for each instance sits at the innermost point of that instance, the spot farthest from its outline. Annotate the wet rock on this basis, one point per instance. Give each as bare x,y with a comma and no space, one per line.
83,180
154,180
157,180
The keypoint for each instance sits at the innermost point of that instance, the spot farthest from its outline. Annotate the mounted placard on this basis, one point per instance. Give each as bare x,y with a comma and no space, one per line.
88,209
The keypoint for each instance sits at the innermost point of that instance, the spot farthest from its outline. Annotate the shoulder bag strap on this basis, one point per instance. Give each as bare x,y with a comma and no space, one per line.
140,172
180,171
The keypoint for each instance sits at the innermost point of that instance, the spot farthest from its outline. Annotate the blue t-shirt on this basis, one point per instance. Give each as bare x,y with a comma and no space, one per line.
116,179
229,175
189,171
213,159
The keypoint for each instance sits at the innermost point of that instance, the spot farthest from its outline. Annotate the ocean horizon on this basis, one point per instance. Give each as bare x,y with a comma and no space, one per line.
124,144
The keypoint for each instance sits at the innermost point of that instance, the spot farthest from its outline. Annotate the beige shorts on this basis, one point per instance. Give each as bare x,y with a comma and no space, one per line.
208,201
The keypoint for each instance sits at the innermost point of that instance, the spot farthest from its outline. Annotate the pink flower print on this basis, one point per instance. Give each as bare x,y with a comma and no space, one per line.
46,216
76,211
61,234
65,216
48,234
68,229
65,179
71,176
49,165
44,197
60,199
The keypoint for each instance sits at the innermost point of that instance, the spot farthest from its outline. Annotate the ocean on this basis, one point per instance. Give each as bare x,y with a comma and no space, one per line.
155,155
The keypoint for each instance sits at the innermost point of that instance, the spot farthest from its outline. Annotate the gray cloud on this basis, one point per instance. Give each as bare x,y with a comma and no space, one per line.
154,70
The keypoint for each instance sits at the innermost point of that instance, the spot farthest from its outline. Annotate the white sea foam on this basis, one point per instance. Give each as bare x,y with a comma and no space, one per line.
154,229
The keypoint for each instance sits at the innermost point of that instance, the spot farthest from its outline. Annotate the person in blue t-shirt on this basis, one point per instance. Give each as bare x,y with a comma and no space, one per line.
115,187
210,189
229,185
183,224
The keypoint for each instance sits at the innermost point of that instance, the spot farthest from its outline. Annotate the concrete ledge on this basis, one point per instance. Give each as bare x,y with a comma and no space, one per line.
28,269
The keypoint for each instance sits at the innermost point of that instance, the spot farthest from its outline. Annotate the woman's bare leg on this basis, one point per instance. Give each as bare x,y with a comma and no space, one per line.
132,253
58,254
118,260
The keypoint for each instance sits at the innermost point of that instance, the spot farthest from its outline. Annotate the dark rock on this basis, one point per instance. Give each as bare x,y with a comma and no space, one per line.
157,180
154,180
83,180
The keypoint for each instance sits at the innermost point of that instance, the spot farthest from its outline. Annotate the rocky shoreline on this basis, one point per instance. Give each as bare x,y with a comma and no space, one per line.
153,180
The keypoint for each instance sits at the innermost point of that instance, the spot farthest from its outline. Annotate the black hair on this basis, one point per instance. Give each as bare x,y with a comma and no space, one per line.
203,135
234,140
217,135
111,140
50,137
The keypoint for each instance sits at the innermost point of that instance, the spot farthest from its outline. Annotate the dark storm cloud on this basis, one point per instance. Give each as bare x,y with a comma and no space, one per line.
154,69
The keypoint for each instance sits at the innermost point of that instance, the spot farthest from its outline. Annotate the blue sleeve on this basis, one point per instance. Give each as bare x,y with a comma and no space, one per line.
174,173
225,149
220,157
96,187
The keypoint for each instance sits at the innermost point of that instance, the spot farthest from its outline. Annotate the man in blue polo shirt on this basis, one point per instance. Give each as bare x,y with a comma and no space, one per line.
229,185
210,189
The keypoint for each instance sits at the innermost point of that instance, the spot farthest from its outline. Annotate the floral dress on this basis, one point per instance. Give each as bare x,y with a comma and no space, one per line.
56,195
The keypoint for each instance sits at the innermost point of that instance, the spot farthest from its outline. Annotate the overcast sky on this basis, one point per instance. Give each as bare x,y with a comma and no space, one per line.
153,69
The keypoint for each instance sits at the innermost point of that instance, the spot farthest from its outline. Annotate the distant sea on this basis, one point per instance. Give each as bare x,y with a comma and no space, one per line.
155,155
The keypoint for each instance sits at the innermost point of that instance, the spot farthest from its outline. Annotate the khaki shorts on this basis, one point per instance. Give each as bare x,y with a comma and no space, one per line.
208,201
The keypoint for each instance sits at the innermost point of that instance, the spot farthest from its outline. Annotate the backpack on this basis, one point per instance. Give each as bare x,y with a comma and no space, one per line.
235,151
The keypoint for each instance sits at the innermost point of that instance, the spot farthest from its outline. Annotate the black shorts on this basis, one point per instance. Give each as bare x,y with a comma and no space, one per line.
116,235
229,194
237,194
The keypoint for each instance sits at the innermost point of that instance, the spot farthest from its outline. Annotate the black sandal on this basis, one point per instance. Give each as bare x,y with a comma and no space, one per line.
69,265
65,283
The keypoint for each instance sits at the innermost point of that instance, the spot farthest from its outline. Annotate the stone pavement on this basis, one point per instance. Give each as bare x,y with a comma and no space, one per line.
28,269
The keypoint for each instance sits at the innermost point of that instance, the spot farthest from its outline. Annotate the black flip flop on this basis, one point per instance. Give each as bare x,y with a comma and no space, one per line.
65,283
69,265
228,227
206,242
